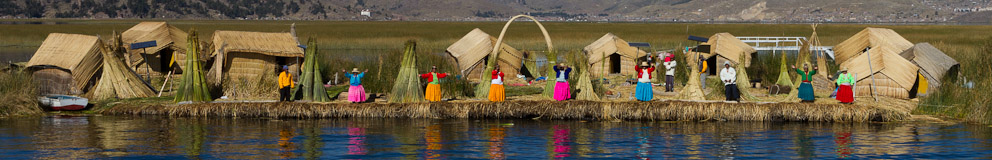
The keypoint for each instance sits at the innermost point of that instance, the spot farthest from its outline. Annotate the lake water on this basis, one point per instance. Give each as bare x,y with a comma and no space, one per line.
261,138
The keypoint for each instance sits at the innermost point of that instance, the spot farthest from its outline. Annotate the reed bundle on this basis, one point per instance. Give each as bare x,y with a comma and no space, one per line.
549,85
693,87
117,79
406,88
584,86
192,85
783,77
313,89
539,109
743,82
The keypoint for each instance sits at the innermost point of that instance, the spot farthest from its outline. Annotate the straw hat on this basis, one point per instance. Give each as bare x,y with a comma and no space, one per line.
354,70
644,64
843,69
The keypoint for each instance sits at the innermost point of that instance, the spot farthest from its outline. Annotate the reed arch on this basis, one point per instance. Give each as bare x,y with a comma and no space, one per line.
483,88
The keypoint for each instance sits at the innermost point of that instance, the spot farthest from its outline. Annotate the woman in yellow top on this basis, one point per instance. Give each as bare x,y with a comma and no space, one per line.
702,71
285,84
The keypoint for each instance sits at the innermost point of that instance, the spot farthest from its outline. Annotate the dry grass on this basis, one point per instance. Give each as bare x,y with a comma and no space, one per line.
657,110
17,92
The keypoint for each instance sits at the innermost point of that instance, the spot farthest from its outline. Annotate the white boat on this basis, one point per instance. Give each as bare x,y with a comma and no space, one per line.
58,102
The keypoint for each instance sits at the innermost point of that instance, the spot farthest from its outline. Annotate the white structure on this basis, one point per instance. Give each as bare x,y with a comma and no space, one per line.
775,44
366,13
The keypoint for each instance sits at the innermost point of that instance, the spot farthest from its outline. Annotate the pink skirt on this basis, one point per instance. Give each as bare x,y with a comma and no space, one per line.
356,94
562,91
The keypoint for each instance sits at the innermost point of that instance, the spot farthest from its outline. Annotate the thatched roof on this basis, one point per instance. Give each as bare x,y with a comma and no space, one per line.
730,48
266,43
119,81
900,70
470,51
76,53
609,44
933,63
881,41
163,34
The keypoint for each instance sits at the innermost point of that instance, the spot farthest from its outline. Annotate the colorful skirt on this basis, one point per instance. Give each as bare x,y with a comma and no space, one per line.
845,94
356,94
433,92
644,92
496,93
806,91
562,91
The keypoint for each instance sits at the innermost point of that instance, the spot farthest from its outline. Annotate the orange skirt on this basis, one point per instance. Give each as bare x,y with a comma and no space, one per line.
496,93
433,92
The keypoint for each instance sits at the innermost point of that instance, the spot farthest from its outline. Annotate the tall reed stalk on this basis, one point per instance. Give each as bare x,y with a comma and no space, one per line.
192,86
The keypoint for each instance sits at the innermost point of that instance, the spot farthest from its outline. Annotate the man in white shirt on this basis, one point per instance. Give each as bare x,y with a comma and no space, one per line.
729,77
669,73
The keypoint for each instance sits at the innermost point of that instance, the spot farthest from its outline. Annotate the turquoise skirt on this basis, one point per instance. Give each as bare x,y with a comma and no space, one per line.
806,91
644,92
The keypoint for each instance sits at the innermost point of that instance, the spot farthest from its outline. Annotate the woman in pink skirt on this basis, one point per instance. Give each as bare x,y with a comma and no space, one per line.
562,90
356,93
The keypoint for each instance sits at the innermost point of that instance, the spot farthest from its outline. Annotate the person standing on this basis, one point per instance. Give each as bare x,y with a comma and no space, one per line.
669,73
729,77
496,90
562,90
702,71
845,94
806,88
356,93
433,91
285,84
643,91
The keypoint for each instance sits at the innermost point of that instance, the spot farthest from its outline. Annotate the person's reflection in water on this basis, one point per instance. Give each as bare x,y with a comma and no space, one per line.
843,141
286,146
432,137
643,145
496,135
561,141
804,144
356,141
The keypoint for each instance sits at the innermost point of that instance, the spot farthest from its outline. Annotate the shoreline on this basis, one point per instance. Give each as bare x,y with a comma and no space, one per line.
580,110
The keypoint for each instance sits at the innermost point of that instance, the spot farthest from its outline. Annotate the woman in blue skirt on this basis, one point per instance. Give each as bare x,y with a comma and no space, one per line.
644,92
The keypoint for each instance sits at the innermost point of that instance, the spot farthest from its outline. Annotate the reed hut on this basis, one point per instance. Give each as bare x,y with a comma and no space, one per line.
472,52
722,47
888,74
612,55
171,43
243,54
934,65
117,80
66,63
874,40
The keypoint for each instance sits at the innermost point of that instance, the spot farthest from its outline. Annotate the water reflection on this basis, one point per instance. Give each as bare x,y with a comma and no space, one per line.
258,138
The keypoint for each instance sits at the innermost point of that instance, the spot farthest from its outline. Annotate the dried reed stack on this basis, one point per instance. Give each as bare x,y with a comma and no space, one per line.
406,88
549,84
313,89
783,76
118,80
821,58
743,82
693,88
655,110
192,86
584,84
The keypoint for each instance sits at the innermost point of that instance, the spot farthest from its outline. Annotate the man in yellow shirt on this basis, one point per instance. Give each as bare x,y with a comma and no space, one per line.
285,84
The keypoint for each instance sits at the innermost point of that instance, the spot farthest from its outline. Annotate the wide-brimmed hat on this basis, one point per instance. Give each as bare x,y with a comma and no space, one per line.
354,70
843,69
644,64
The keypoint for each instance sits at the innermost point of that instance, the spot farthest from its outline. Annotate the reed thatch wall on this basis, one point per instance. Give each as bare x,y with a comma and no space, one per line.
656,110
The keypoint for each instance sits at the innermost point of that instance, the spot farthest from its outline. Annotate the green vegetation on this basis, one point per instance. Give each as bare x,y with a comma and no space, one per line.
954,99
192,86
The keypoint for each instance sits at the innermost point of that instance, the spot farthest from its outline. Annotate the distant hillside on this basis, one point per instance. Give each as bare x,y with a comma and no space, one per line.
473,10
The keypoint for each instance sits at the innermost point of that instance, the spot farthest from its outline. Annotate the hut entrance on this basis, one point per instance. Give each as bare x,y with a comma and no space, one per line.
614,63
165,57
712,66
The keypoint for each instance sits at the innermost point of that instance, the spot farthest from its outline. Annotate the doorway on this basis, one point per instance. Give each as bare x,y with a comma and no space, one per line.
614,63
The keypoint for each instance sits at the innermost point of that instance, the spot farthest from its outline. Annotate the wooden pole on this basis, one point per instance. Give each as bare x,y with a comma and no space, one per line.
162,89
873,91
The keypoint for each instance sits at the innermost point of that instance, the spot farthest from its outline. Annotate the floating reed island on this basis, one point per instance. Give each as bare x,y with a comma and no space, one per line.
586,110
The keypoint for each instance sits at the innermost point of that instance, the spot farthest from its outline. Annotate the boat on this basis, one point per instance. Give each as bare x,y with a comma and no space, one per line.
58,102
